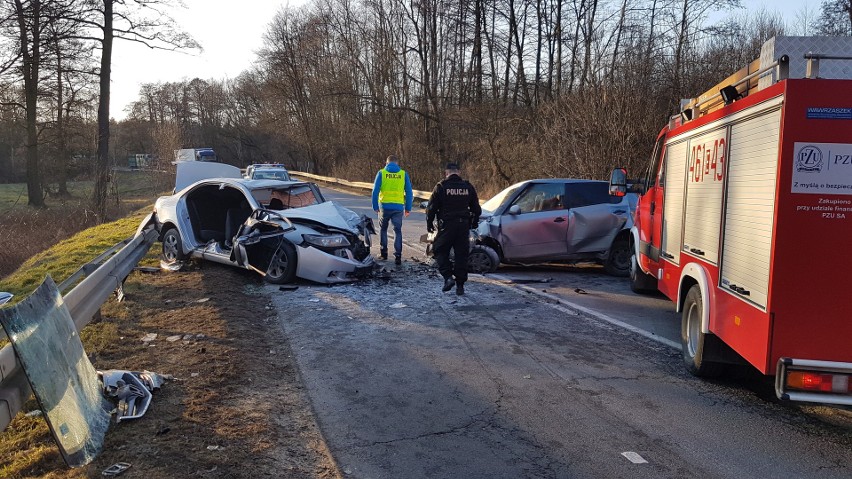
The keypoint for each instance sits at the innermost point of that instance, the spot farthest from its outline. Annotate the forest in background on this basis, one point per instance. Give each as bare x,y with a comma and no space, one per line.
511,89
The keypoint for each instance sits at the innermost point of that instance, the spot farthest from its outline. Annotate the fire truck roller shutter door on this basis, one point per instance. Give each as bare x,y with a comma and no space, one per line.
747,241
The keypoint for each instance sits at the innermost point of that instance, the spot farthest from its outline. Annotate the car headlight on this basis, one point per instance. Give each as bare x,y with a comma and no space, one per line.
326,241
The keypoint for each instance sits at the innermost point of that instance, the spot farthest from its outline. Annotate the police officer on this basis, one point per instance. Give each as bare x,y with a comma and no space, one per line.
392,198
455,204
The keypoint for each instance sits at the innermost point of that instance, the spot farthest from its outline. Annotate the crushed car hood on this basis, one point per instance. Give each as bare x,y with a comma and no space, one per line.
328,213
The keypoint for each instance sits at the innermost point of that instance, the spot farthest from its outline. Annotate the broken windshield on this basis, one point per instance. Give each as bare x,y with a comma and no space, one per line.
292,196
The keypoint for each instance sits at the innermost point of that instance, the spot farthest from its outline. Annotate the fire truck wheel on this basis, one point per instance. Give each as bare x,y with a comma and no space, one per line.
695,343
641,282
618,261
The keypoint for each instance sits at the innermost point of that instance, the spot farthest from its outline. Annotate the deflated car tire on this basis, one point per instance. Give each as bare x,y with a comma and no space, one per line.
282,268
618,262
172,247
482,259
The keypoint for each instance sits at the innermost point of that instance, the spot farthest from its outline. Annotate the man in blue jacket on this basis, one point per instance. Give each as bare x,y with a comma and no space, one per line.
392,198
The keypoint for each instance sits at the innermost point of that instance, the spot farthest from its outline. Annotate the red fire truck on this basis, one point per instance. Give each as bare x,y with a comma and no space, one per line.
745,220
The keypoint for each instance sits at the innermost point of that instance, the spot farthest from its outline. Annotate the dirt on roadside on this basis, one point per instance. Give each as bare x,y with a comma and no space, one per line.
236,407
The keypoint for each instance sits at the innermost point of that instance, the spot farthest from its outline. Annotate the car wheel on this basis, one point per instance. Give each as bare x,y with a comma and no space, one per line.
482,259
172,247
282,268
618,261
695,343
641,282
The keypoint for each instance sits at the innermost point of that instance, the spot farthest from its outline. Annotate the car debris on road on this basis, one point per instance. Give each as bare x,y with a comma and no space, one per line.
116,469
132,389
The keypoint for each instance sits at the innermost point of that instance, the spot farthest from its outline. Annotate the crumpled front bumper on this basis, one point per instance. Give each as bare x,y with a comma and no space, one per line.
317,265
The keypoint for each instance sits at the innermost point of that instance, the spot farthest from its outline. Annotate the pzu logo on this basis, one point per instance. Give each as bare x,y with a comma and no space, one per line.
809,160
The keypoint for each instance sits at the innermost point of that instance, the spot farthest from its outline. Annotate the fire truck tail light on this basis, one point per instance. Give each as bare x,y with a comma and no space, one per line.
829,383
812,380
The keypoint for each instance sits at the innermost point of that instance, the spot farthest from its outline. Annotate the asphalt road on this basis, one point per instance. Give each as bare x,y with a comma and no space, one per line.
407,381
583,287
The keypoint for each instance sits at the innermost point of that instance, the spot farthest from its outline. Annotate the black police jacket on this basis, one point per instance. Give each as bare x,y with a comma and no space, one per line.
453,199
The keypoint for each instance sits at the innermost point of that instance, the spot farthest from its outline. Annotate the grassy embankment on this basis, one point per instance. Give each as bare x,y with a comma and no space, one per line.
26,441
26,232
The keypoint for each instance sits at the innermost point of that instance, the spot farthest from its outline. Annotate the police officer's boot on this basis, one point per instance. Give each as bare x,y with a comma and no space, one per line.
448,284
460,289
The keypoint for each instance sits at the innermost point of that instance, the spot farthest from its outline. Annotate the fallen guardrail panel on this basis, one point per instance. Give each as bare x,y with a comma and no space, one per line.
65,383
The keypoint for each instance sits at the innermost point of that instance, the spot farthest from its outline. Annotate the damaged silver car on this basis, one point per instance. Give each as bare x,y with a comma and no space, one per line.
281,229
554,220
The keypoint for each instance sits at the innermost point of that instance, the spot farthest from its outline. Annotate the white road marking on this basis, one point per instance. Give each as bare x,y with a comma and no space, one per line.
502,280
634,457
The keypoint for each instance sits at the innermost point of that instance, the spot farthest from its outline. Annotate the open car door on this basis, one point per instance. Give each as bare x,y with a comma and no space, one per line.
259,239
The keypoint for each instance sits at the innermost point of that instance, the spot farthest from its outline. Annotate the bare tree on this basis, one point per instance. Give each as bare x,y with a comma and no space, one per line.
70,91
805,19
29,17
142,21
835,18
45,46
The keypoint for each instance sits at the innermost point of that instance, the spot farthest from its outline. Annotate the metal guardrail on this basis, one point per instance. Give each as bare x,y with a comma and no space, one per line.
423,195
418,194
102,277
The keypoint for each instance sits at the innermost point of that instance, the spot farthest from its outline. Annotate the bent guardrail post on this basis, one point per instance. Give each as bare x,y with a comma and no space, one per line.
82,302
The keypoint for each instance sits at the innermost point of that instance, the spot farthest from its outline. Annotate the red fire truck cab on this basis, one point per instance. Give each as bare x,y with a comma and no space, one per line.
745,220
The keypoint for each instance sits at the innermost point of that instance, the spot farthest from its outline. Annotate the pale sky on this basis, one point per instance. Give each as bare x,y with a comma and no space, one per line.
231,32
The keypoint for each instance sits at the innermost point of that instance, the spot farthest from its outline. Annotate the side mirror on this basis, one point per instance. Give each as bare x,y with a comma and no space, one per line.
514,210
424,204
618,182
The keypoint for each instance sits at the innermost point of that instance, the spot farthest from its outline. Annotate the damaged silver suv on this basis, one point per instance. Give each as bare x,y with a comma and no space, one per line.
554,220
